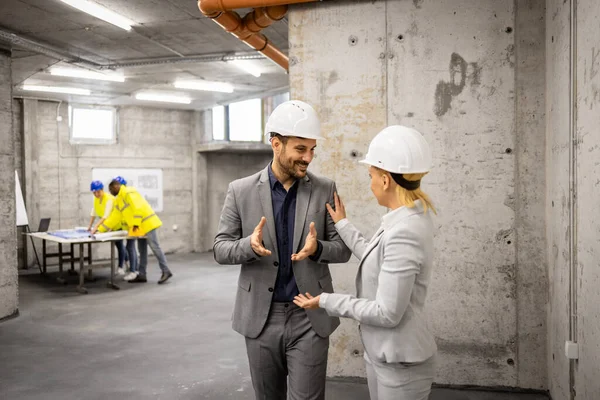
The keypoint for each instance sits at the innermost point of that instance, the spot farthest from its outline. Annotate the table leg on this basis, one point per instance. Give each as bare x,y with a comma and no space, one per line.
81,289
61,278
44,255
111,284
89,257
60,259
72,270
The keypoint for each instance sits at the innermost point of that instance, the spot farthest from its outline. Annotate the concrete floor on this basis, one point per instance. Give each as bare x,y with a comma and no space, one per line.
142,342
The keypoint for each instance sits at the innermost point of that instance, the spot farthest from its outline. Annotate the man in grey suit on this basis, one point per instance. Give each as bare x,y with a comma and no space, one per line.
275,224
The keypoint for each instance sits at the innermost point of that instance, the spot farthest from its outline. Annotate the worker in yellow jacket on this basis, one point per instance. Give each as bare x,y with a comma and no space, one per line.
116,221
142,221
102,209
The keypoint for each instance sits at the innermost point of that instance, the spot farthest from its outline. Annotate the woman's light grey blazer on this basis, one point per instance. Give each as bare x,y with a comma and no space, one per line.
392,280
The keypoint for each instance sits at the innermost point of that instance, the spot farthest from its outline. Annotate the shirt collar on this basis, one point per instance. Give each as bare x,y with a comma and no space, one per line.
391,218
273,180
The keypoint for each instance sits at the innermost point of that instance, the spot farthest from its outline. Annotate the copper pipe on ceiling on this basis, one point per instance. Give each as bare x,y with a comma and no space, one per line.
247,29
208,7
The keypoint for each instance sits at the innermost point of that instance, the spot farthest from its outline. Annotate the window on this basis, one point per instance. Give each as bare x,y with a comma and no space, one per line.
280,98
270,104
245,121
218,123
93,125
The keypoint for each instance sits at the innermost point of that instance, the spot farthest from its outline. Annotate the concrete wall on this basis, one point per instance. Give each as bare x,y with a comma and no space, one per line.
587,217
222,169
9,298
457,71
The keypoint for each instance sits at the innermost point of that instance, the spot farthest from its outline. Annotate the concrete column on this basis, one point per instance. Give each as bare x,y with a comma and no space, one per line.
9,283
449,69
204,238
199,182
19,162
31,184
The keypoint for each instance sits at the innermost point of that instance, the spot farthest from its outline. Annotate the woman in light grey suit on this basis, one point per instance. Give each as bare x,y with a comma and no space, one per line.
394,270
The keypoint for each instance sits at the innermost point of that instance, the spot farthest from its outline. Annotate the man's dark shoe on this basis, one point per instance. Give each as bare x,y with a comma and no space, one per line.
165,277
139,279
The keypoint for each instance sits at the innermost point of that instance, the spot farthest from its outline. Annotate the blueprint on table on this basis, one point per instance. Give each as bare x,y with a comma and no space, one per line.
71,234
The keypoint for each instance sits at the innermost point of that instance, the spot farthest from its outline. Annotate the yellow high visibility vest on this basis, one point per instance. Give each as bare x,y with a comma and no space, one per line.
113,221
136,211
100,204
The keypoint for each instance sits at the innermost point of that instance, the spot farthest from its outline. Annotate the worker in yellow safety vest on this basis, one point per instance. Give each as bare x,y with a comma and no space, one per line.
116,222
102,209
141,221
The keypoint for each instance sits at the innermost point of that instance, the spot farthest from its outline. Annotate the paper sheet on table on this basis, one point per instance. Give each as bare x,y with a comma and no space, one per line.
110,235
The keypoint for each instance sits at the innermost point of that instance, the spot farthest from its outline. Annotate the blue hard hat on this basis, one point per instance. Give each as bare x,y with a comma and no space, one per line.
120,179
96,185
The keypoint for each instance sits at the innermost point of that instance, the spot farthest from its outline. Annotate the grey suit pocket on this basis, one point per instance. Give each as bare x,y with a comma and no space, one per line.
244,284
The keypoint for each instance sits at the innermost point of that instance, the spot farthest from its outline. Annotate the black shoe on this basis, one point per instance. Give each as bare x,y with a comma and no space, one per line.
139,279
165,277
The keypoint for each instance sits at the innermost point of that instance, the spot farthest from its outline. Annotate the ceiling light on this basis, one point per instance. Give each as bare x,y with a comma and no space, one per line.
101,12
164,98
86,74
57,89
246,66
205,85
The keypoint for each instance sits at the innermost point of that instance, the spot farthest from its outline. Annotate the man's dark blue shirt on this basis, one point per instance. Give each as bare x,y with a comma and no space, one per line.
284,211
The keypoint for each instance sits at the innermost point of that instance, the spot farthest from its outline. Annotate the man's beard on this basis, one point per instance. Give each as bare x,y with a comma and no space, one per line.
289,167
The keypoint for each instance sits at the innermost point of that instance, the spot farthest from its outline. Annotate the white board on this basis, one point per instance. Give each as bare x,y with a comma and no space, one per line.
21,211
148,181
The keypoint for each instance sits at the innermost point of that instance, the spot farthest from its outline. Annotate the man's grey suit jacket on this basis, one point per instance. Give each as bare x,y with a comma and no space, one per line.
248,199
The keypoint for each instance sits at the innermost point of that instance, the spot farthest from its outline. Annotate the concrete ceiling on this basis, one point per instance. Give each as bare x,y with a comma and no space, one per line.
164,29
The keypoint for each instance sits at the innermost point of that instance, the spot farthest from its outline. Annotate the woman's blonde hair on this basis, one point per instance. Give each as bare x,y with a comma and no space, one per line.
408,197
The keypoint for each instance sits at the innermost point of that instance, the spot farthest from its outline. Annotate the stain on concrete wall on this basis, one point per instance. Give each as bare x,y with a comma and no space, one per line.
9,285
460,74
445,91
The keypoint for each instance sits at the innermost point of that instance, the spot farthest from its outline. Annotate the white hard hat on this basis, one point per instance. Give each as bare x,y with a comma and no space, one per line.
400,150
294,118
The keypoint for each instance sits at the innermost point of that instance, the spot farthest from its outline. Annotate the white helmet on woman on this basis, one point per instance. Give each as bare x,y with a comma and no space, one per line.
400,150
294,118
